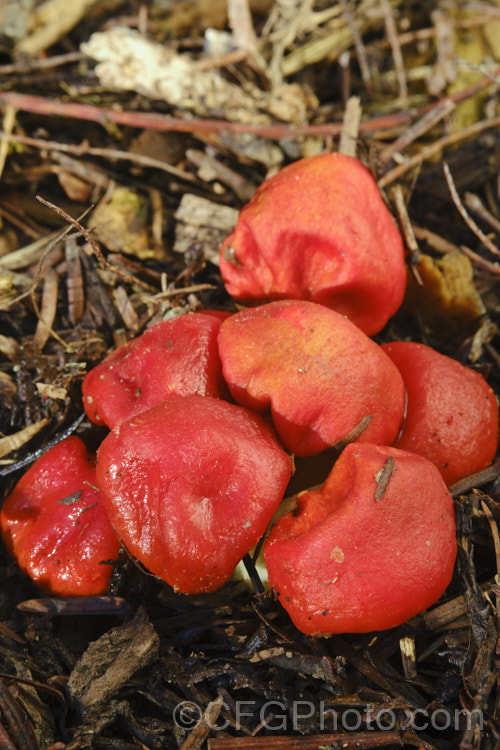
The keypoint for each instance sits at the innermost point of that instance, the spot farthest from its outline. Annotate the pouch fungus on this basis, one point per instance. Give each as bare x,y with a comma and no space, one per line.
320,375
190,486
370,549
55,525
320,231
177,357
452,413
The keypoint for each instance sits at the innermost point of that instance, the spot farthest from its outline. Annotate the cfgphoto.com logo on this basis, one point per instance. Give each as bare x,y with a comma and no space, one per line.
278,717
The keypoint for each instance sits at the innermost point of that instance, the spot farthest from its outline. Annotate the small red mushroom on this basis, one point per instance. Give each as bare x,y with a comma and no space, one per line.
320,231
190,486
177,357
55,525
452,413
319,374
370,549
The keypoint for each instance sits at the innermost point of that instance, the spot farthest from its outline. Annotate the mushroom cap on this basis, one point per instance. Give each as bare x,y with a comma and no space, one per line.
319,230
370,549
452,414
177,357
318,373
190,487
55,525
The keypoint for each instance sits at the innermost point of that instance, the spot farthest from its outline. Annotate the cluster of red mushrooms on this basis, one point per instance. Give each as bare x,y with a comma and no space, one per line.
207,410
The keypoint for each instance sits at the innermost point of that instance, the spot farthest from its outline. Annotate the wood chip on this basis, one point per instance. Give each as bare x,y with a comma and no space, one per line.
126,309
202,729
109,662
350,127
408,657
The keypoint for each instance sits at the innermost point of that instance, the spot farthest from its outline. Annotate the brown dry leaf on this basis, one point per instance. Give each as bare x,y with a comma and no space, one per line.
448,300
9,347
167,147
55,392
52,20
75,188
48,309
120,224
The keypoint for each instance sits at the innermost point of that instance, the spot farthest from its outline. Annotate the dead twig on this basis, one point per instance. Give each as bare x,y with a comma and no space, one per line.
129,278
240,21
168,293
344,740
211,168
465,216
71,606
359,47
431,118
397,55
474,204
276,131
26,65
200,732
9,120
436,147
406,226
462,486
434,240
480,262
126,309
106,153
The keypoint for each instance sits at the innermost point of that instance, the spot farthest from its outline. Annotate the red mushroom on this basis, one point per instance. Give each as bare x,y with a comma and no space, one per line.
320,375
55,525
320,231
190,486
176,357
452,413
370,549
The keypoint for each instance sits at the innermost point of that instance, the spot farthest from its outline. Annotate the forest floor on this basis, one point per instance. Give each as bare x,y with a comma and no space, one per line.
131,135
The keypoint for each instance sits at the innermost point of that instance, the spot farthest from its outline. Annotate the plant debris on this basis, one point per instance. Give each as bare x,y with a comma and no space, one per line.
131,134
